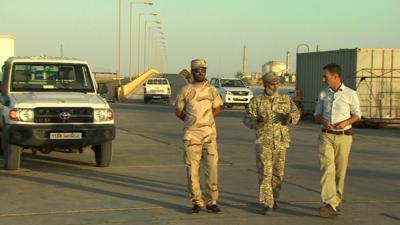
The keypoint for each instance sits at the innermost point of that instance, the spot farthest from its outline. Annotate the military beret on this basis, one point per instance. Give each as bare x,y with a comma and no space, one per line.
198,63
270,77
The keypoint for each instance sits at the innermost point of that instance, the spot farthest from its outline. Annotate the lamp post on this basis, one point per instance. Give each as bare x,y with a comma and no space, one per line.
148,46
151,49
160,57
147,2
155,51
146,40
119,44
139,38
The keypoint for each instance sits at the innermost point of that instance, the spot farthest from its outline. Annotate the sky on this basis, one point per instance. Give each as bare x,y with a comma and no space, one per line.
214,30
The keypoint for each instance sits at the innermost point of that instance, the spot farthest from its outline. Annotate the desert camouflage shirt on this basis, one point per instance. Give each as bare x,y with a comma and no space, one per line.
263,115
197,101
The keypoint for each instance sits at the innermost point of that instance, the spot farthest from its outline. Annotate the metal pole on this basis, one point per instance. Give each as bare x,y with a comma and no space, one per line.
130,40
119,43
305,45
61,50
150,49
138,54
145,46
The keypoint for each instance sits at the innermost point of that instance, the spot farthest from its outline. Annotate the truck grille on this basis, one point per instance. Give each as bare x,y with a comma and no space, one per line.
63,115
240,93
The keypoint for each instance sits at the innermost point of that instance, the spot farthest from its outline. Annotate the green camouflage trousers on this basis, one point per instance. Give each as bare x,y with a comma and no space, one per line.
270,164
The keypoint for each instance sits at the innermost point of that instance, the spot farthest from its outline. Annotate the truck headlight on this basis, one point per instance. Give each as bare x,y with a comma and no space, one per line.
228,93
101,115
24,115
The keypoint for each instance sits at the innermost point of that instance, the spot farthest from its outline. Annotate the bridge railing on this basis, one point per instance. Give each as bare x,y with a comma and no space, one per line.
125,90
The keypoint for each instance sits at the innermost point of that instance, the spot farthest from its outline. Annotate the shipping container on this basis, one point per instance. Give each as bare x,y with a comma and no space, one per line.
6,48
373,73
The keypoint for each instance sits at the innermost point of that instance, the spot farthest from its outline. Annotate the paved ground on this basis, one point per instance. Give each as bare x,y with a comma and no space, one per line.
147,183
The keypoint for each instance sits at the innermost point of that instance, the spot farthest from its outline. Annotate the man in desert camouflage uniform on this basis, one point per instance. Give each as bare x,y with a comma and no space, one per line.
197,105
269,114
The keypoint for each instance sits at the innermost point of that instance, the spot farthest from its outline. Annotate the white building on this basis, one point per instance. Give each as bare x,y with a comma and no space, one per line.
274,66
6,48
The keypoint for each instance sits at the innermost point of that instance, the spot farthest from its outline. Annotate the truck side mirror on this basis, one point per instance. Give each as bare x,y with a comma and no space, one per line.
4,100
102,89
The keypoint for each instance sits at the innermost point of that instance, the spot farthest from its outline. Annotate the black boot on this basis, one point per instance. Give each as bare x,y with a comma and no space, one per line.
213,208
267,211
196,208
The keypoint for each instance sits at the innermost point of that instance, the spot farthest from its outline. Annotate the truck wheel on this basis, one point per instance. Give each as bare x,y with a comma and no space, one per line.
146,100
103,154
12,156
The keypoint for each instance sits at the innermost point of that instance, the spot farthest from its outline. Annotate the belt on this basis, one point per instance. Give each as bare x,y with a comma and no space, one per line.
341,132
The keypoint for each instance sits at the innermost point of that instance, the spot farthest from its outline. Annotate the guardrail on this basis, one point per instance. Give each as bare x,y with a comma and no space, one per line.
130,87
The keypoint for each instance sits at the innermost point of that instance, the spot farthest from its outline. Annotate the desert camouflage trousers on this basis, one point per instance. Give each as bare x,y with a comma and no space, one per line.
270,164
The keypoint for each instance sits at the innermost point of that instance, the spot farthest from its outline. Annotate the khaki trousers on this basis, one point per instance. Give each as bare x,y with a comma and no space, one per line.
194,156
334,153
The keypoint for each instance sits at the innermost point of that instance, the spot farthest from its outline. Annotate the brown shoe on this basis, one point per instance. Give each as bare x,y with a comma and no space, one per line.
339,210
327,211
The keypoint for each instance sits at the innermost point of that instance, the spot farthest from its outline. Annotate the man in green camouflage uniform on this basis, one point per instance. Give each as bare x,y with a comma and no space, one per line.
269,114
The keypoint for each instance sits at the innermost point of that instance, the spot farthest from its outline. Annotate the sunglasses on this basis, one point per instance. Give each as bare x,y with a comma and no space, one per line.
199,70
276,83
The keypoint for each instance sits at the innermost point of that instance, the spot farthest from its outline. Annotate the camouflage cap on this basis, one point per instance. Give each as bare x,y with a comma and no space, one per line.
198,63
270,77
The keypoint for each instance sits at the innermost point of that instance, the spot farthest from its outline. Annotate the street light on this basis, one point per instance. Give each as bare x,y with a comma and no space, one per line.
147,2
149,51
161,55
119,45
140,19
146,41
153,50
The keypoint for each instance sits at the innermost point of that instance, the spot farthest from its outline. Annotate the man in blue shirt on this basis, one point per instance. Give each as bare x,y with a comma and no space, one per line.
337,109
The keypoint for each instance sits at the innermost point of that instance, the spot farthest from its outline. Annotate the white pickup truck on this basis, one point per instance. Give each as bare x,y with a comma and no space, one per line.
232,91
157,89
53,104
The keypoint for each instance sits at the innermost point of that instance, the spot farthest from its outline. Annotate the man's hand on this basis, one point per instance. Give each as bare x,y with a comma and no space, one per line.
281,118
180,114
216,111
345,123
341,125
325,123
260,119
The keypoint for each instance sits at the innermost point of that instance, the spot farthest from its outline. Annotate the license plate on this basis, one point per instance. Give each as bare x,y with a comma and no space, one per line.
65,136
156,96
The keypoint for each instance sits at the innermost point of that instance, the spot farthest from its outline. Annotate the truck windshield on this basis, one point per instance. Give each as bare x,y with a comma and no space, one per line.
51,77
231,83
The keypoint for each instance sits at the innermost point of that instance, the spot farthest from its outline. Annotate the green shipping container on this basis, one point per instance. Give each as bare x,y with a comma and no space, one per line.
373,73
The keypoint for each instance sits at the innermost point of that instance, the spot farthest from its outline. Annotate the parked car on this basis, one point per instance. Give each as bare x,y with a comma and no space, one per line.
157,89
232,91
53,104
